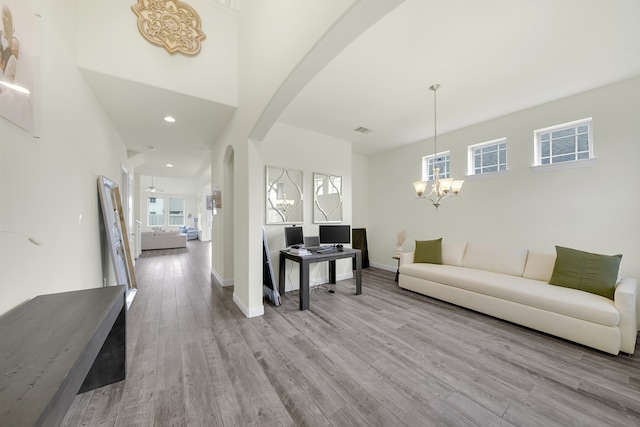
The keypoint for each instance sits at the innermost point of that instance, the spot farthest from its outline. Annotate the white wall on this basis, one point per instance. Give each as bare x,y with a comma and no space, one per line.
47,183
593,209
204,216
294,148
267,53
360,177
108,37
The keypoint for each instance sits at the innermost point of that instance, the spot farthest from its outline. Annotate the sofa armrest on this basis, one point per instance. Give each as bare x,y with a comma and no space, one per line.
406,258
626,301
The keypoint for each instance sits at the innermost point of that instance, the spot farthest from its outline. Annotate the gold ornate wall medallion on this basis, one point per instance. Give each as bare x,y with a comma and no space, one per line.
171,24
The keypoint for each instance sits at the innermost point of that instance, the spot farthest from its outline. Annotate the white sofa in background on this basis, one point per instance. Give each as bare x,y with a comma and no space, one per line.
162,240
511,283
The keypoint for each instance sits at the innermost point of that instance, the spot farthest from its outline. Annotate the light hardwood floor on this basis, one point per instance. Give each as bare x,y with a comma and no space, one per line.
387,357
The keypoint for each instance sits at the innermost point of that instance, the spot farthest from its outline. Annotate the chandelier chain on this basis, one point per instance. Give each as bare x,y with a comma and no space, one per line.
435,122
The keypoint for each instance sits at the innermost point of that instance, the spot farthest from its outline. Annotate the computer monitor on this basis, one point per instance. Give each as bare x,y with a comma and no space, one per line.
293,236
335,234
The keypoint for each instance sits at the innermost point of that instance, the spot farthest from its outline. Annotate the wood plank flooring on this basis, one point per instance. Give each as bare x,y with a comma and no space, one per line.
388,357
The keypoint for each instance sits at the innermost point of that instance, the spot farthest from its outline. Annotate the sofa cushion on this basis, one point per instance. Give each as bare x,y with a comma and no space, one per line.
429,251
586,271
535,293
500,259
452,252
539,266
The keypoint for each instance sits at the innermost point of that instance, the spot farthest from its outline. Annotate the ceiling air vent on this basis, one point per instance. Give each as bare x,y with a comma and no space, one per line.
363,130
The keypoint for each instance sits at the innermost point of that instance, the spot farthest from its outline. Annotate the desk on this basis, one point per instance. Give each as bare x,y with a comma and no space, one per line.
55,346
306,260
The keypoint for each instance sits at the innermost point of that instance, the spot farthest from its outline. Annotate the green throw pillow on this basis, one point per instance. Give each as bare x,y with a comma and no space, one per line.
586,271
429,251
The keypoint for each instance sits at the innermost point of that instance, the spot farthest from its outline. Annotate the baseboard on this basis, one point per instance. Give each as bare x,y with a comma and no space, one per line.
224,283
384,266
253,312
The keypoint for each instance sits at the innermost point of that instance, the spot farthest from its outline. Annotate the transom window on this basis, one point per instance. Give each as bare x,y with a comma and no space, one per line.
441,160
564,143
488,157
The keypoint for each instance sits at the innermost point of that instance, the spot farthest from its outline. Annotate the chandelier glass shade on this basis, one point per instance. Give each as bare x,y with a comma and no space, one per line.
441,188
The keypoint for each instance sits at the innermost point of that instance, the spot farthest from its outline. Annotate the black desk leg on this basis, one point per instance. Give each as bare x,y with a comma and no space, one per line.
332,271
358,273
281,282
304,285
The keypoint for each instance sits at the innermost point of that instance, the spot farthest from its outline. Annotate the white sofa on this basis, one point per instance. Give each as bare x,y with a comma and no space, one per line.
162,240
511,283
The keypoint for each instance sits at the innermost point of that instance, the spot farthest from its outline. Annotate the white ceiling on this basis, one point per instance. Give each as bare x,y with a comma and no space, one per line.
492,57
137,111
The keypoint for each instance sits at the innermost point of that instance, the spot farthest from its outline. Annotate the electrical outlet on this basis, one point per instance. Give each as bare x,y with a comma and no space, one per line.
104,281
80,219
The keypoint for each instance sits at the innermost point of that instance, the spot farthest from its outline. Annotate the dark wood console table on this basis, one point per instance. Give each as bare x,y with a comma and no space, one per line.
306,260
56,346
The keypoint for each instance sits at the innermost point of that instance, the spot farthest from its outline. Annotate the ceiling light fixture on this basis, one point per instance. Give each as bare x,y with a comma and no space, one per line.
442,188
169,165
152,188
169,119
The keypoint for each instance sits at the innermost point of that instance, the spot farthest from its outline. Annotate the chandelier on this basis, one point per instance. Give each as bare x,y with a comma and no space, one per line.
441,188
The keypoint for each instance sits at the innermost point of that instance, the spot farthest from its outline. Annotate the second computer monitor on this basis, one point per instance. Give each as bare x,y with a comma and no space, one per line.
293,236
335,234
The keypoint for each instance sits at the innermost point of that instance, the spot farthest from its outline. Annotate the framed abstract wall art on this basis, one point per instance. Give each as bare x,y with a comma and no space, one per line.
17,63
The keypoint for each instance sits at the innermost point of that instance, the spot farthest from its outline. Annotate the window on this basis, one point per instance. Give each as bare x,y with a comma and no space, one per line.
156,211
441,160
488,157
176,211
564,143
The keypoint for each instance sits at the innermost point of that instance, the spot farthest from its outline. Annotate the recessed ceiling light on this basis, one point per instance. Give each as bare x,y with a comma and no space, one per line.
169,165
169,119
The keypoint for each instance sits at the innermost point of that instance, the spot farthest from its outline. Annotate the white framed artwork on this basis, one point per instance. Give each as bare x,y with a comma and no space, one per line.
17,63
